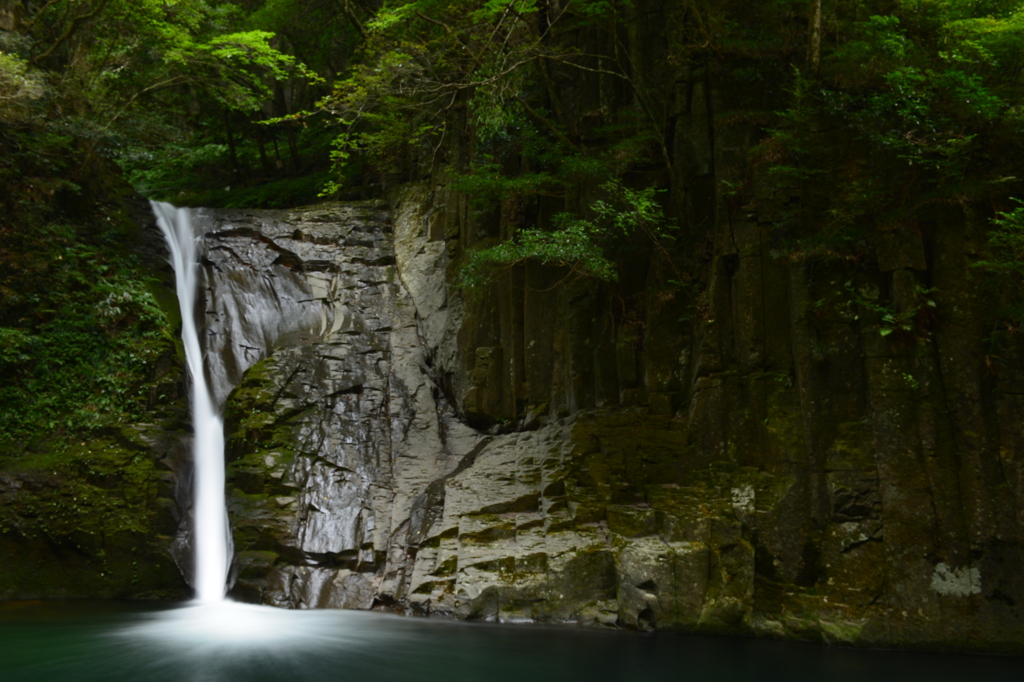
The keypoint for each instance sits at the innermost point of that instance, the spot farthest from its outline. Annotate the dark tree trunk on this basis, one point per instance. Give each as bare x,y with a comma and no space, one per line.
232,155
277,155
294,149
814,38
264,161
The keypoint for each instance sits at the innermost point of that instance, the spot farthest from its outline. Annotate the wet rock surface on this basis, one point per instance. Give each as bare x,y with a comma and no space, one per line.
688,494
336,428
691,495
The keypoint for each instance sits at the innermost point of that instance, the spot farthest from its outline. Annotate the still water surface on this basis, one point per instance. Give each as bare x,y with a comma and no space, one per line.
85,642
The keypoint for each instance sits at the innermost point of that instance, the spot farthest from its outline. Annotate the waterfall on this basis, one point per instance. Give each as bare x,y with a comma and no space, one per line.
211,534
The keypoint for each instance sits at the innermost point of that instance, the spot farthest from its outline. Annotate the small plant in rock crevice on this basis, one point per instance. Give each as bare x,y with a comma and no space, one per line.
1005,264
912,321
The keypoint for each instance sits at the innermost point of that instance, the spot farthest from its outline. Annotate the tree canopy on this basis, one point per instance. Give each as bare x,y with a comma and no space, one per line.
551,117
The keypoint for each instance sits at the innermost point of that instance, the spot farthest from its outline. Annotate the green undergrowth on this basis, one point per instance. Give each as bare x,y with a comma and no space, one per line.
92,516
85,356
103,481
87,346
1004,264
85,342
283,193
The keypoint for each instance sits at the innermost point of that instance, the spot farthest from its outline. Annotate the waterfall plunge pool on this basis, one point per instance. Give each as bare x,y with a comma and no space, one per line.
229,642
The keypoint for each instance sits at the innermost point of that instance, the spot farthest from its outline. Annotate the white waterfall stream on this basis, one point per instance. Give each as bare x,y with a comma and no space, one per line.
211,534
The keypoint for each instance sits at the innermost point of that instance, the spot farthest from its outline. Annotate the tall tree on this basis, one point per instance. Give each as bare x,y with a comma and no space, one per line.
814,38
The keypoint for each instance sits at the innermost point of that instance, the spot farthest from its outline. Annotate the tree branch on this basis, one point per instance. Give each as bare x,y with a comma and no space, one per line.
27,27
72,27
346,9
546,123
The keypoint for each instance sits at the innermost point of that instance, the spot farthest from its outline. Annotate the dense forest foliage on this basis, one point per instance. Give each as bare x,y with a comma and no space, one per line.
270,103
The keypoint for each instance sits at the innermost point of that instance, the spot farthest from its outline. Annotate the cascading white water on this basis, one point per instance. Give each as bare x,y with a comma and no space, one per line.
211,535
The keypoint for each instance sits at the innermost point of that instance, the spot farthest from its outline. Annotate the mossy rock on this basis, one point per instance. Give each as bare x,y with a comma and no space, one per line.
87,519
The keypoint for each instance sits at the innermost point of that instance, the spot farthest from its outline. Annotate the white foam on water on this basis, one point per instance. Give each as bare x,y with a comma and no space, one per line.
225,626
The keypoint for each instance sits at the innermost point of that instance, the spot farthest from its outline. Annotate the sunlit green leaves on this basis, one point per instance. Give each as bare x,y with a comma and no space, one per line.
1004,262
241,63
573,244
495,9
576,243
1007,242
391,16
19,87
425,60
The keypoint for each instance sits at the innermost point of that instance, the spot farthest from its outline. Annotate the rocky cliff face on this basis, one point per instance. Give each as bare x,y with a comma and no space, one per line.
336,428
778,467
734,437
